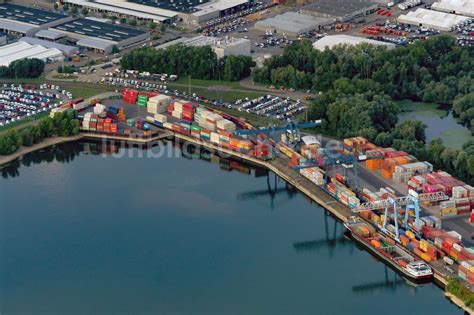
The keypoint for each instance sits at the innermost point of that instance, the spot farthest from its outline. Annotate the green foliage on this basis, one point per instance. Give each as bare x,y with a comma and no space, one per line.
463,107
115,49
162,27
198,62
85,11
435,70
74,10
67,69
153,25
123,20
456,288
63,124
24,68
132,22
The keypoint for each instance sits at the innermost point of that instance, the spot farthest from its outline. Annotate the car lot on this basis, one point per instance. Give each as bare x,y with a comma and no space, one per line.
20,101
271,106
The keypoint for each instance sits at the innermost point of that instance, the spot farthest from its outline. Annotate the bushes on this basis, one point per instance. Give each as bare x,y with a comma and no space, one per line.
24,68
62,124
456,288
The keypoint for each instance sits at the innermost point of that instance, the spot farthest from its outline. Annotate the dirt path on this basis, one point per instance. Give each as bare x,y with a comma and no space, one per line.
46,143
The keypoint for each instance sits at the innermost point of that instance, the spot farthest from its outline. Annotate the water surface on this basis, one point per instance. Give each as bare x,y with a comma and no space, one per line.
82,233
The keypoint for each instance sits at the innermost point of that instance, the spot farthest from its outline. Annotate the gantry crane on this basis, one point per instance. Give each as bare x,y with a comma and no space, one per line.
410,202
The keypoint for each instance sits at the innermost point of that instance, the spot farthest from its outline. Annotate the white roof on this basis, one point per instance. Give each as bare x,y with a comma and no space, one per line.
49,34
464,7
217,5
22,50
48,44
95,43
309,140
333,40
121,10
294,23
432,19
15,26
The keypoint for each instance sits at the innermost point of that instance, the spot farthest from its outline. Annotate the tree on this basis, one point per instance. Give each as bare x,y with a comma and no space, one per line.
84,11
55,6
123,20
162,27
74,10
66,7
133,22
115,49
153,25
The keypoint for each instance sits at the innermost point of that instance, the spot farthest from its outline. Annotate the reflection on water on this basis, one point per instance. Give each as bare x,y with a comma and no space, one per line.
440,123
196,234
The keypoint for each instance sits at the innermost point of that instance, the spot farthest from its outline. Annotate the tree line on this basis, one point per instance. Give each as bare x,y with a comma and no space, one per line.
182,60
62,124
24,68
436,70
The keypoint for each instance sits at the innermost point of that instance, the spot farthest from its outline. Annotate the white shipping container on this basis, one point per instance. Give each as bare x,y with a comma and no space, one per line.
160,118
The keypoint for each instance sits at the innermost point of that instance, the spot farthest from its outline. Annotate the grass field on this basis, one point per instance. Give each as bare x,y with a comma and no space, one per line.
208,83
226,96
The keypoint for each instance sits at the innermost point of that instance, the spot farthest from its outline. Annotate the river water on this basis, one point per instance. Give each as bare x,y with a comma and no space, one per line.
95,234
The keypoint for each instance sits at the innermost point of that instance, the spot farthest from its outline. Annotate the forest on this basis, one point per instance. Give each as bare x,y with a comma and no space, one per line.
435,70
184,61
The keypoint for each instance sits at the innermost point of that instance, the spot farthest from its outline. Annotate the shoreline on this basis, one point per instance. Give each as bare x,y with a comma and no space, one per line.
457,301
44,144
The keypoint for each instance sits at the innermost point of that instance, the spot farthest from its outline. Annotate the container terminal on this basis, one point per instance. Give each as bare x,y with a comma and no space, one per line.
410,215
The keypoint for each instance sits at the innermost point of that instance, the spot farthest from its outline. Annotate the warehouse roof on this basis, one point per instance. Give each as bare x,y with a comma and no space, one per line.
94,43
143,13
333,40
180,6
49,34
28,15
22,50
433,19
15,26
107,31
464,7
48,44
337,7
292,22
217,5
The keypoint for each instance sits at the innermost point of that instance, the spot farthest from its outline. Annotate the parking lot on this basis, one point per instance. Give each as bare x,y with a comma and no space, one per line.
21,101
271,106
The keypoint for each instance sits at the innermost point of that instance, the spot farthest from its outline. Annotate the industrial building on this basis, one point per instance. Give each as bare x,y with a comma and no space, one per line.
22,50
123,8
99,36
67,50
331,41
25,21
341,10
3,39
221,46
462,7
214,9
292,24
433,19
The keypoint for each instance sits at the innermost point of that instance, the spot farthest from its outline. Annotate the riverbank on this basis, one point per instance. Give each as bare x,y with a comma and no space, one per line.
458,302
46,143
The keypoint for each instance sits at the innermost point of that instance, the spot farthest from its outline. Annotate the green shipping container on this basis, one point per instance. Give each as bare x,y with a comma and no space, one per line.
194,127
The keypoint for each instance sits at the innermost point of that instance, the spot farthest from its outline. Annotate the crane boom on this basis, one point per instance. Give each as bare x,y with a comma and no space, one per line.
400,201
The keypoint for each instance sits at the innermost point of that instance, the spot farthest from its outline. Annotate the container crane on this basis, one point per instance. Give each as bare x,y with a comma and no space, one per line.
410,202
271,131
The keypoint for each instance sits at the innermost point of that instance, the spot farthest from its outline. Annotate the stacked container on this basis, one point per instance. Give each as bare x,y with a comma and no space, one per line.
100,110
314,174
158,104
130,96
142,100
403,173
